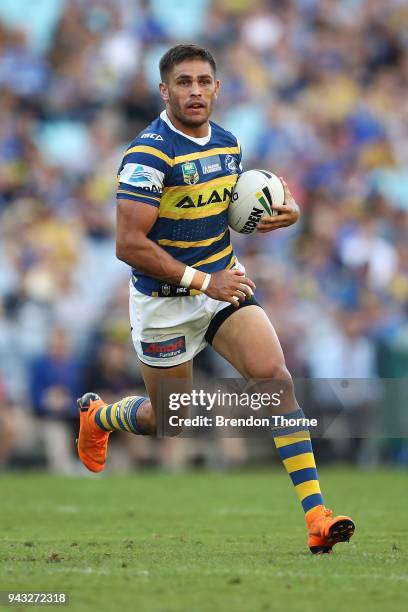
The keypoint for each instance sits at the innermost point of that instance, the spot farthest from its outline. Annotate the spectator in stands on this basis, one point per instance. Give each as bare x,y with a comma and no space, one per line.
310,87
55,385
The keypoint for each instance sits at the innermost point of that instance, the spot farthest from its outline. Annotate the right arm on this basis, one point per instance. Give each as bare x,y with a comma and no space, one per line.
134,222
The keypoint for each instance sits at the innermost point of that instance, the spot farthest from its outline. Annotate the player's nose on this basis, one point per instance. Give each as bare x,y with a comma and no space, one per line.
195,89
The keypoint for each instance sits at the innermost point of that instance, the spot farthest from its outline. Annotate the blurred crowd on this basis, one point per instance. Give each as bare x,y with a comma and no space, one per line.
316,92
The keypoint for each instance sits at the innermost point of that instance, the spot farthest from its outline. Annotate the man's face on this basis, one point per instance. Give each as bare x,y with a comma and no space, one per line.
190,91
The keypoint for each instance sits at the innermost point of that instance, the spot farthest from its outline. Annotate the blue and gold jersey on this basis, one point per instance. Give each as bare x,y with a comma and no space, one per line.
190,180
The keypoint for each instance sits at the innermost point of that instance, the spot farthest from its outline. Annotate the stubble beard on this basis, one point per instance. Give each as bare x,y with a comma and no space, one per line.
189,121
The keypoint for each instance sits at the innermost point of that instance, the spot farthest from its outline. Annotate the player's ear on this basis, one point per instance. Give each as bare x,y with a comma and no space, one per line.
217,88
164,92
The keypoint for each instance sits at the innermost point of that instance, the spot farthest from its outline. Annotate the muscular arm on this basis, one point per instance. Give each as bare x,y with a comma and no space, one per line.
134,221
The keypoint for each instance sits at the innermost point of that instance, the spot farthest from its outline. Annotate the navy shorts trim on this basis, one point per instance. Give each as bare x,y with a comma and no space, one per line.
157,367
223,315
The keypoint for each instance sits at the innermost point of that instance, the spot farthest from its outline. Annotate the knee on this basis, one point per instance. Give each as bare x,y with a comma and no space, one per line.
270,369
280,372
276,378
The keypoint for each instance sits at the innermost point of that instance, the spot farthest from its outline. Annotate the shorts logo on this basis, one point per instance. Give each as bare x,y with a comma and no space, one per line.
165,348
210,164
190,173
231,164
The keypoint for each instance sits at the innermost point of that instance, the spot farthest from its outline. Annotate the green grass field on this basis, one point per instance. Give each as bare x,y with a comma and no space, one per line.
202,542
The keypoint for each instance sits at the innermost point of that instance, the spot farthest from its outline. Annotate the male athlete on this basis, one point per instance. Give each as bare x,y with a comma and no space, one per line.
187,288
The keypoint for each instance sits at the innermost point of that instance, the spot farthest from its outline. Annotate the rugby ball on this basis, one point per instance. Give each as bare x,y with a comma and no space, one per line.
254,194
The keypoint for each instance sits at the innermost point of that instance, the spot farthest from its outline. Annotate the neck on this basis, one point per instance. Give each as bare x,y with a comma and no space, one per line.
197,132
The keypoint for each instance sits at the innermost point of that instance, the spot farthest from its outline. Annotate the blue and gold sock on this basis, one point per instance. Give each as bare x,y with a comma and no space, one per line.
120,416
295,450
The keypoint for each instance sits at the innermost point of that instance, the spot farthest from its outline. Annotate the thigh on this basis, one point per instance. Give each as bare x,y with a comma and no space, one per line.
247,339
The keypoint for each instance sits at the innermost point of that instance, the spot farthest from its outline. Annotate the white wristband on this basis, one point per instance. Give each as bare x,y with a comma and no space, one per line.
187,277
206,282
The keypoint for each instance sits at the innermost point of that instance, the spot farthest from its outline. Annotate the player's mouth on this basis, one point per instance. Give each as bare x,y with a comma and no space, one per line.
196,106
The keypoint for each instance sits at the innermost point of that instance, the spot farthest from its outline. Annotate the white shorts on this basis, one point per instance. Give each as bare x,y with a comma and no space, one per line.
170,331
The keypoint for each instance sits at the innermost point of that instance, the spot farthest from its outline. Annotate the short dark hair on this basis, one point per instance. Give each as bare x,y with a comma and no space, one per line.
179,53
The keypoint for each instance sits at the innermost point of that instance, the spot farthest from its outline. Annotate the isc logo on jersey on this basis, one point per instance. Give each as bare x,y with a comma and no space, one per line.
144,177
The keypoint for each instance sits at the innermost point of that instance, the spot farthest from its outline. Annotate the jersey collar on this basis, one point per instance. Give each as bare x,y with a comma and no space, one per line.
200,141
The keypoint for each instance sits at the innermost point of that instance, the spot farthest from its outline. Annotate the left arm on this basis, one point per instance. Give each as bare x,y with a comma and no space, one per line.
288,213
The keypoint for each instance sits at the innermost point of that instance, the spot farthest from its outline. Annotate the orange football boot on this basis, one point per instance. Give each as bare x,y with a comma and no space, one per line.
92,441
326,531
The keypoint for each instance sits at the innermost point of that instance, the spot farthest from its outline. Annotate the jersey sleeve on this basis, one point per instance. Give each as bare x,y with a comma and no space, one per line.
142,173
240,167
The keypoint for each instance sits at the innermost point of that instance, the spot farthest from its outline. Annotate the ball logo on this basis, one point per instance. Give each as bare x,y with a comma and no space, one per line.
253,220
266,203
256,193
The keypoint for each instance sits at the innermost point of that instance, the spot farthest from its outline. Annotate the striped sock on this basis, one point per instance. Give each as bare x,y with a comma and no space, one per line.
120,416
295,450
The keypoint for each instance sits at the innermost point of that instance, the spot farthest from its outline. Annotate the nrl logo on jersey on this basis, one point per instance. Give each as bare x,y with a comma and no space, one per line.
215,198
190,173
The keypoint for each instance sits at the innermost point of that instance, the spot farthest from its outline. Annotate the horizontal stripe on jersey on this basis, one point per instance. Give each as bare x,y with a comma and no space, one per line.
192,185
190,256
149,286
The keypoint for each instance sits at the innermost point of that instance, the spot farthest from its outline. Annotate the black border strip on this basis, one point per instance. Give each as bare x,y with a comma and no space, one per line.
223,315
